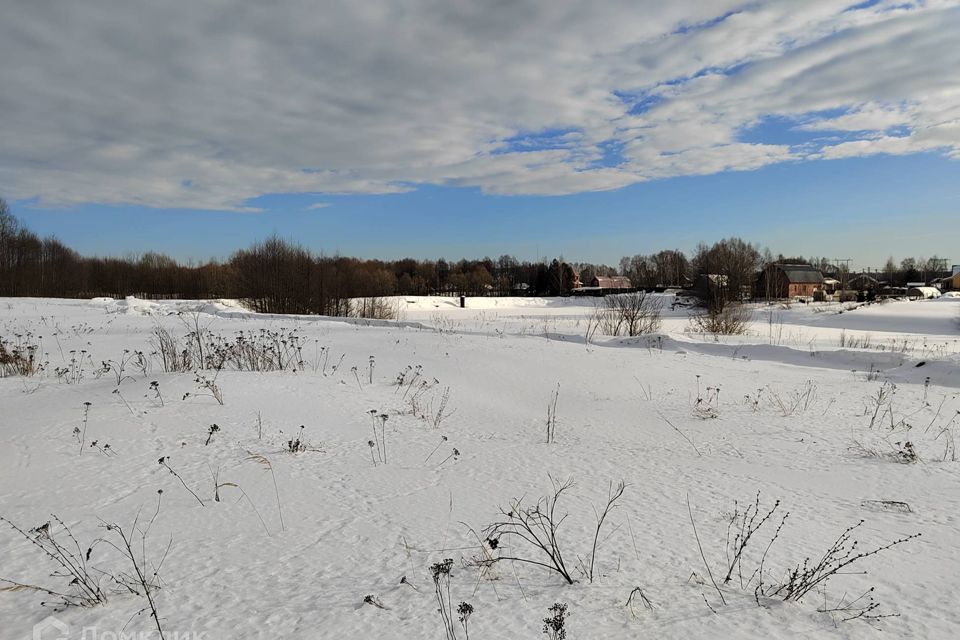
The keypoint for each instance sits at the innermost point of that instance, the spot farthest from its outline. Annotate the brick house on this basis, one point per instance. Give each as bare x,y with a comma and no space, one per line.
778,281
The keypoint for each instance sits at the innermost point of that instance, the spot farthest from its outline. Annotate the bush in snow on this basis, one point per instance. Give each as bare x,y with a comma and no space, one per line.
19,358
729,319
84,583
811,575
535,529
630,314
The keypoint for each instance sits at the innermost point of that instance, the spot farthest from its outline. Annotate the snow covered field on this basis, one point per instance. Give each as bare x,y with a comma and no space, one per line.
814,408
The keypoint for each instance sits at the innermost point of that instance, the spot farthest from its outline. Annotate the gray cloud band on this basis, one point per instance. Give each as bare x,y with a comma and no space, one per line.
207,105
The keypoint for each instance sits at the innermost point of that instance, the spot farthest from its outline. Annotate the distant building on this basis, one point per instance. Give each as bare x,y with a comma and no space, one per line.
952,283
778,281
611,282
711,286
602,285
888,291
863,282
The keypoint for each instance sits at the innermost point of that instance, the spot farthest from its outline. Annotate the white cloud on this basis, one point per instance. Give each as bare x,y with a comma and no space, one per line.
870,117
318,205
207,105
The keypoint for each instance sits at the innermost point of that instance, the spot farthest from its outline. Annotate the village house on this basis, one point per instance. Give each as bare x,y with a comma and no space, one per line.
611,282
863,282
710,286
779,281
953,282
577,282
831,286
602,285
947,283
950,283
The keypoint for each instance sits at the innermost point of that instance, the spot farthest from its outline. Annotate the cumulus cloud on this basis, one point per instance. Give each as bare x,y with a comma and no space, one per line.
208,105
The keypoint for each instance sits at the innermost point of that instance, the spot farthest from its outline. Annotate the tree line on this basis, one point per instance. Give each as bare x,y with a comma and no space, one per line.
280,276
273,275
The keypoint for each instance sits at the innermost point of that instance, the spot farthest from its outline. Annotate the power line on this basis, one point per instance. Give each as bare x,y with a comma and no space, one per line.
843,273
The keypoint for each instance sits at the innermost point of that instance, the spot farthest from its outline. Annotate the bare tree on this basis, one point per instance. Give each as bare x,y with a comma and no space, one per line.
632,314
727,270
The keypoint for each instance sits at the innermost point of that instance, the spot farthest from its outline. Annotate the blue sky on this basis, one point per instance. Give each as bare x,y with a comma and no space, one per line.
863,208
547,127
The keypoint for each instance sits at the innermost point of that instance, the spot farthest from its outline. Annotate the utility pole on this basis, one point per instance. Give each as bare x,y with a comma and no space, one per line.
843,273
